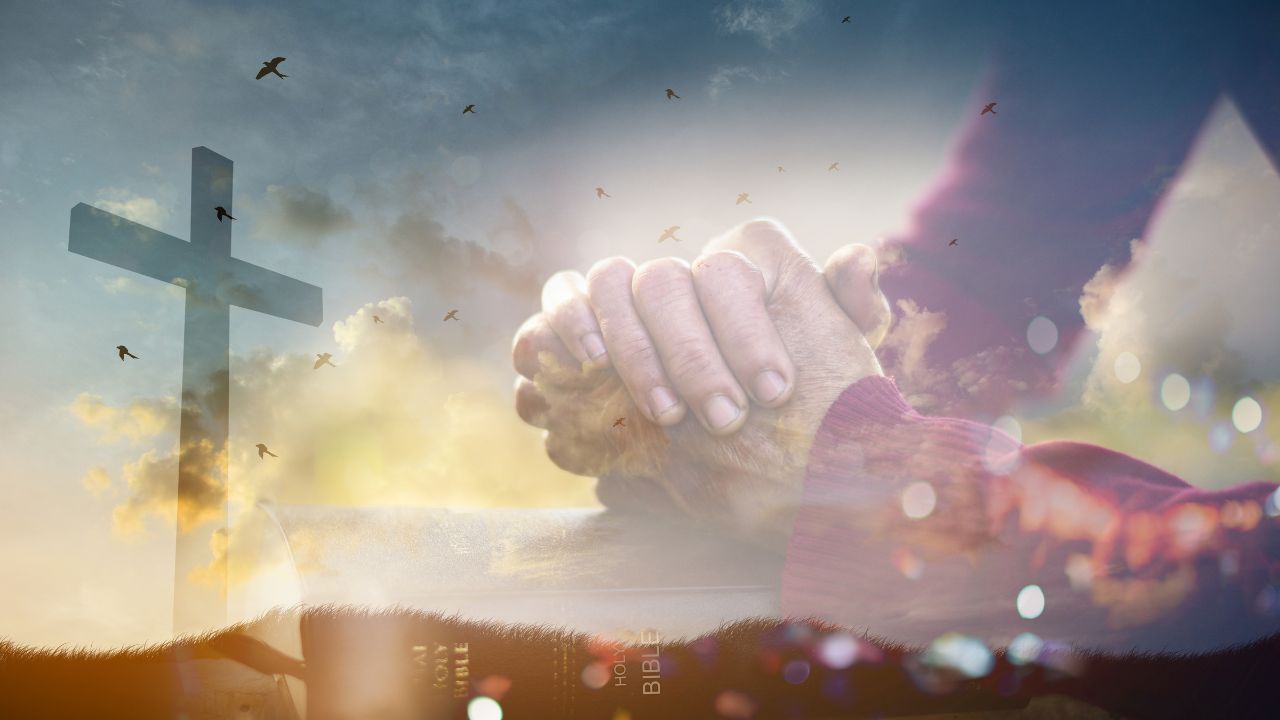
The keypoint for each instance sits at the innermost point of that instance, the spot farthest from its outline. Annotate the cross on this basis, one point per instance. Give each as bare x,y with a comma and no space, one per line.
214,281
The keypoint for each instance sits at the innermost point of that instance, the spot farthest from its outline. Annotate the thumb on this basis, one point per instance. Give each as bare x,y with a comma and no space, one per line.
852,274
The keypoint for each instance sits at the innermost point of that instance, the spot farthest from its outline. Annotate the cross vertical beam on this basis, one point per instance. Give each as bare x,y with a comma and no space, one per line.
214,282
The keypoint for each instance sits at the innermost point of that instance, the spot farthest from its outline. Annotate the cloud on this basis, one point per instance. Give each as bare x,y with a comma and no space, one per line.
767,21
1196,299
138,420
425,252
138,208
396,423
984,379
724,76
97,480
303,215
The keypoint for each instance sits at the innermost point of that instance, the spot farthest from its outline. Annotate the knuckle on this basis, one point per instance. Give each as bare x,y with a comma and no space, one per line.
765,230
661,276
692,362
609,274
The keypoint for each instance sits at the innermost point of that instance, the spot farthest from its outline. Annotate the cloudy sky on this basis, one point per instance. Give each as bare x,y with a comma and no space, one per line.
1126,131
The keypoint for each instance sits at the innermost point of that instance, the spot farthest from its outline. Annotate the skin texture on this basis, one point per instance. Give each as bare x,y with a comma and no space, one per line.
752,302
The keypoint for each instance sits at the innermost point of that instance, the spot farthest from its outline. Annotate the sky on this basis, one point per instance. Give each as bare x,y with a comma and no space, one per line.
1120,202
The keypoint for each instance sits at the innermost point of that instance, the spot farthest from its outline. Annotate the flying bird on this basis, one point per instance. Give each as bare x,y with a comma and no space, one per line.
125,351
669,234
469,109
672,94
600,193
377,320
846,19
742,198
833,166
990,108
222,213
323,359
954,241
270,67
263,451
620,422
781,169
451,315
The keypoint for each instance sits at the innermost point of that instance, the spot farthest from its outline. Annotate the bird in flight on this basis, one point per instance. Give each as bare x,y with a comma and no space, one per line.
846,19
742,198
781,169
990,108
620,422
323,359
377,320
469,109
669,234
222,213
672,94
263,451
833,166
271,67
451,315
600,193
954,241
125,351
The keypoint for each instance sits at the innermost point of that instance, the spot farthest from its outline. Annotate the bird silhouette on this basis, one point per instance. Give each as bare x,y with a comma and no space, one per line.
323,359
377,320
781,169
222,213
451,315
954,241
833,166
125,351
600,193
620,422
270,67
669,234
742,198
672,94
469,109
846,19
990,108
263,451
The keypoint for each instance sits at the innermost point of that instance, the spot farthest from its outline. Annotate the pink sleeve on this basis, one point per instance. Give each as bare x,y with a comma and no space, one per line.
911,527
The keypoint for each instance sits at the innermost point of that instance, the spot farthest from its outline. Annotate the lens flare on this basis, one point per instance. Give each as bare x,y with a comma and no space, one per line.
838,651
918,500
1030,602
1175,392
966,655
484,708
1025,648
1127,367
1246,415
1042,335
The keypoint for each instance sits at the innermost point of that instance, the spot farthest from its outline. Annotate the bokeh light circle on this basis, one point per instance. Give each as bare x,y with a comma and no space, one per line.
918,500
1127,367
1042,334
1025,648
595,675
1030,602
1246,415
966,655
796,672
1175,392
1009,425
484,708
1220,437
838,651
